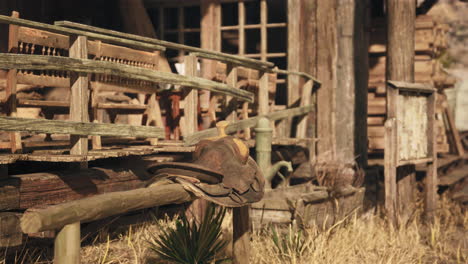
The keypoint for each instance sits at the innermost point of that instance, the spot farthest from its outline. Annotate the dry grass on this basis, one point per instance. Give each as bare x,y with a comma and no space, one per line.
365,239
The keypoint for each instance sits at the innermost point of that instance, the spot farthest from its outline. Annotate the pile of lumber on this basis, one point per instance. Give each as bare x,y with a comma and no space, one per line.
430,42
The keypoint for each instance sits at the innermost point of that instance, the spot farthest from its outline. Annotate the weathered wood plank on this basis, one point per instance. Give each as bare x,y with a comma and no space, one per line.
38,62
411,87
79,97
246,123
304,75
70,31
400,67
78,128
191,99
202,53
238,61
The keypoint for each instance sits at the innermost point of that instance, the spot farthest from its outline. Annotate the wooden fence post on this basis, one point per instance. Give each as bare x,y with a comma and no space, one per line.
67,242
10,91
241,234
431,175
231,103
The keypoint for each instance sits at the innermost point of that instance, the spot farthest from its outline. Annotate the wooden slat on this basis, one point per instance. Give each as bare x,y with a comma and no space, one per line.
70,31
191,99
99,49
250,122
42,80
43,38
203,53
77,128
37,62
411,87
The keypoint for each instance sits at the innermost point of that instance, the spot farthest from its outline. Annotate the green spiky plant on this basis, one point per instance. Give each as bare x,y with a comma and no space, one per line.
192,243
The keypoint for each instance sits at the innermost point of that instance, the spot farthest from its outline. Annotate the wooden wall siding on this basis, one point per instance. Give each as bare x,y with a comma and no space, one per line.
412,127
333,44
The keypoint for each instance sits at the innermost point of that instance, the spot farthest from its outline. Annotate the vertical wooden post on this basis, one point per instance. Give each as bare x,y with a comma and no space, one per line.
231,103
197,208
400,67
326,46
241,234
431,175
210,38
180,29
67,245
79,97
390,165
294,58
306,99
263,104
191,99
10,91
241,8
263,30
67,242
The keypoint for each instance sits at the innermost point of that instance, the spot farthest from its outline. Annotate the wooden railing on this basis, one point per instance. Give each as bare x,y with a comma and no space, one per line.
127,63
90,60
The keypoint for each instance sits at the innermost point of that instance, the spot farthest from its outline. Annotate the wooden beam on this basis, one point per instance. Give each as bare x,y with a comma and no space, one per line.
263,30
390,167
101,206
247,123
401,15
79,97
10,89
412,87
241,234
38,62
306,99
191,99
78,128
430,192
238,61
294,59
220,56
70,31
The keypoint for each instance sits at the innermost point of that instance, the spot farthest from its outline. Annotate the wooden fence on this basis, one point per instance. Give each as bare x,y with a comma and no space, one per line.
91,62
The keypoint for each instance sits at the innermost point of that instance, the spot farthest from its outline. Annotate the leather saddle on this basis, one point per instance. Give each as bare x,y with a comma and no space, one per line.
221,171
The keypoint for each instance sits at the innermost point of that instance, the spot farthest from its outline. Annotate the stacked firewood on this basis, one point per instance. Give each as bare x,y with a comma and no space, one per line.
430,44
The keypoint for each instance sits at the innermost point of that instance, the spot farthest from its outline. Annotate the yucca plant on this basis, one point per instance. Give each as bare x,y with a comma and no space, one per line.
192,243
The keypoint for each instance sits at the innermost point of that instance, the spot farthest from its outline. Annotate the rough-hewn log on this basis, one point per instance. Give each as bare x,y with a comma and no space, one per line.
39,62
78,128
101,206
70,31
246,123
227,58
24,191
